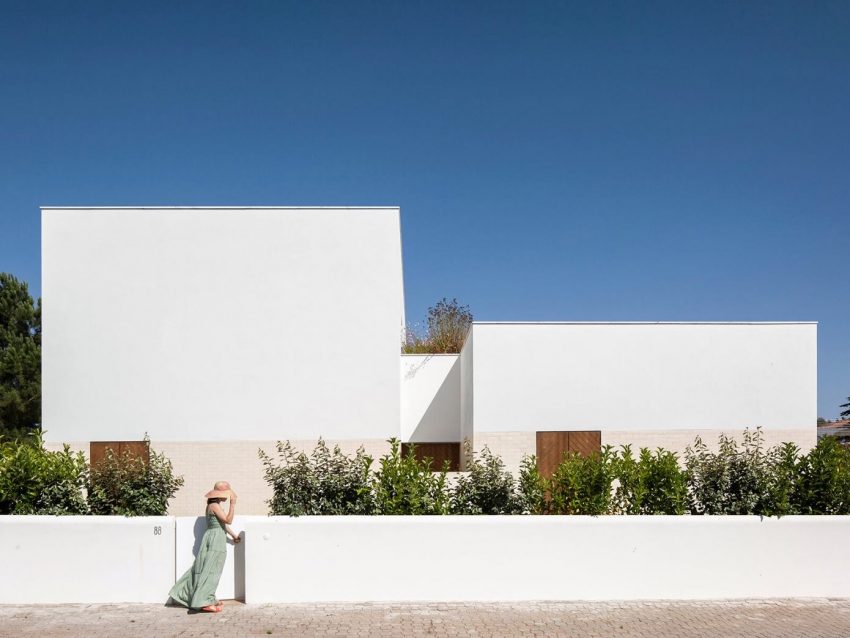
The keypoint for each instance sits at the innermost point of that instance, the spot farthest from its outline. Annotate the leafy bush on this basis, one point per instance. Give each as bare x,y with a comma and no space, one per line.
582,484
532,487
781,495
651,484
405,485
736,479
35,481
733,480
325,482
125,485
823,479
486,488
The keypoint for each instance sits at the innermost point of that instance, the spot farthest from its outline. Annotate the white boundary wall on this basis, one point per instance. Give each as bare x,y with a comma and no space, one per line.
54,560
86,559
641,376
481,558
430,398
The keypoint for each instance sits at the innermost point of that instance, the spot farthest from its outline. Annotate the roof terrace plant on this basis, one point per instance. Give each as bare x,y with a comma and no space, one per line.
447,324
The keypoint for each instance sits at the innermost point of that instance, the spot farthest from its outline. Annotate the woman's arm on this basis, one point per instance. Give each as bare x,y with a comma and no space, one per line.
231,511
233,535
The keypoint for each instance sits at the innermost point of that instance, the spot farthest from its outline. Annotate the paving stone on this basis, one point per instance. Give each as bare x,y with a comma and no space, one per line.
828,618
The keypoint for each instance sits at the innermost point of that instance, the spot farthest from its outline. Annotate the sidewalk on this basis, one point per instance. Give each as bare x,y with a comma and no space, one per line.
774,618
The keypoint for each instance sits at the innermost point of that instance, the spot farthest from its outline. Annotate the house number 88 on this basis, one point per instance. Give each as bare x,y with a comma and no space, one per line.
157,531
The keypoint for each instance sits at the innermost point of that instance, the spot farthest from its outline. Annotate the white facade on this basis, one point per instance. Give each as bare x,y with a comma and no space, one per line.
197,324
430,398
219,331
641,376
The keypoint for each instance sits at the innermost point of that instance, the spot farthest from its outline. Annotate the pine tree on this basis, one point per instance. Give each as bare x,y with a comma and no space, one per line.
20,356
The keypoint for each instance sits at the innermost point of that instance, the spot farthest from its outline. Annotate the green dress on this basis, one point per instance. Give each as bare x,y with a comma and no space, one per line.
196,588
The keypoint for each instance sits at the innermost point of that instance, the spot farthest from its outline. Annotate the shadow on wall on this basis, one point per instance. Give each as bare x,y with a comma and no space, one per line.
238,557
441,420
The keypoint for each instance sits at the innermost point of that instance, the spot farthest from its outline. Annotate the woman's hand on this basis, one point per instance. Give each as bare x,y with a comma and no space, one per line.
232,496
236,539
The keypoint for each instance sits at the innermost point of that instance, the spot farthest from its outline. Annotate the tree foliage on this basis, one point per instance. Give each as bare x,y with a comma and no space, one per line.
20,357
845,414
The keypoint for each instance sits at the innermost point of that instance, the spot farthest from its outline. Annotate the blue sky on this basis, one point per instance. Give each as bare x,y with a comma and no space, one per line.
553,161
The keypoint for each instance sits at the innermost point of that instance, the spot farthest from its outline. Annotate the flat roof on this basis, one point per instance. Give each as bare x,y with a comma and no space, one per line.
640,323
219,207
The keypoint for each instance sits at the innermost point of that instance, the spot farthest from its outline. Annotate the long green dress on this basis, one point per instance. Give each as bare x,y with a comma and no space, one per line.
196,588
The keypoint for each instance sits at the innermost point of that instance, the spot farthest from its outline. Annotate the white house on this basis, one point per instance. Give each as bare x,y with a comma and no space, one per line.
219,331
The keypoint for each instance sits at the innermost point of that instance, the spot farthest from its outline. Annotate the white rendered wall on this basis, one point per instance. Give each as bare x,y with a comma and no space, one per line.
430,398
623,377
466,391
221,324
86,559
504,558
54,560
189,532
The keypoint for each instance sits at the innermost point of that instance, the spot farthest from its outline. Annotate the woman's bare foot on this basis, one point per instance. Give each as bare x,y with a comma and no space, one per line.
211,609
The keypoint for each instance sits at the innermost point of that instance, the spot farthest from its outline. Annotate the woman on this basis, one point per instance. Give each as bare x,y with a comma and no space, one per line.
196,588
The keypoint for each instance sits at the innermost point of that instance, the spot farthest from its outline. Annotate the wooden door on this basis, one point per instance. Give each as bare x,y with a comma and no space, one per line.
551,447
97,450
550,450
437,452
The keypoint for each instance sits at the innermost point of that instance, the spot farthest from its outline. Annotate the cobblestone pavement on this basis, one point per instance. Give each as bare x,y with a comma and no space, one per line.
766,618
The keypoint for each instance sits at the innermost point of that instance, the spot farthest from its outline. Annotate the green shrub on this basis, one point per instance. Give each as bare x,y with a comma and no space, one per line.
532,487
325,482
486,487
35,481
630,488
823,479
733,480
582,484
125,485
651,484
736,479
781,493
405,485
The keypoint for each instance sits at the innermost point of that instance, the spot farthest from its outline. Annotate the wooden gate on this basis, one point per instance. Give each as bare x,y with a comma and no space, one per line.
551,447
439,453
97,450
